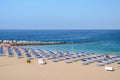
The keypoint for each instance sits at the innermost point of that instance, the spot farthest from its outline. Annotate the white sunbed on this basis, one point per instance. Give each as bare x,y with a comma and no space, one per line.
41,61
109,68
85,62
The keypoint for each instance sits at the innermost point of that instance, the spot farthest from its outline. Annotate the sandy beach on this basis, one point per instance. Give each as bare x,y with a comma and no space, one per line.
59,39
12,68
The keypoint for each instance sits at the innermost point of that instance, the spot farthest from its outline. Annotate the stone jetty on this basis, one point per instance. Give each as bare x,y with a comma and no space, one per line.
22,42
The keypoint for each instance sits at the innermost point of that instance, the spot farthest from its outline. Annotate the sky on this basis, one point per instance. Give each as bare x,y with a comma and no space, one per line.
59,14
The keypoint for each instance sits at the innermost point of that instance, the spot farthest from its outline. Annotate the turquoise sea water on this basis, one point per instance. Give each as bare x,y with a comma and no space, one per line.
95,41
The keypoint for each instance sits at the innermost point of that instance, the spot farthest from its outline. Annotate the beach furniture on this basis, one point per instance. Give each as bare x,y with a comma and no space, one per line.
78,58
41,61
42,52
1,50
60,56
78,55
110,60
109,68
67,53
53,57
84,56
36,55
105,61
54,60
99,57
9,52
45,54
118,64
90,60
100,63
27,55
74,58
94,59
68,60
116,58
85,62
17,52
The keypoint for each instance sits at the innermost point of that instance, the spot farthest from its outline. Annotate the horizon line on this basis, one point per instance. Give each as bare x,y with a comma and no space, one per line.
59,29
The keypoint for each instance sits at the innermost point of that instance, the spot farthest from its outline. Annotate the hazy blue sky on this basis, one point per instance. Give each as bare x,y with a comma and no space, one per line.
59,14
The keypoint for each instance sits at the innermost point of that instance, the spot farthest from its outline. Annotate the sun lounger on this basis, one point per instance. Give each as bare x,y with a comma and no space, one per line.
85,62
118,64
106,61
100,63
9,52
90,60
1,50
67,53
17,52
53,57
74,58
55,60
42,52
94,58
116,58
60,54
61,58
68,60
28,55
110,60
36,54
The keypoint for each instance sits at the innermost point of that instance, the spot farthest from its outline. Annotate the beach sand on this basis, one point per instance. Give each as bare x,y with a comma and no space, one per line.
12,68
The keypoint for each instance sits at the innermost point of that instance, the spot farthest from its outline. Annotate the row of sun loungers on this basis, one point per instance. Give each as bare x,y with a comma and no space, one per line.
9,52
68,57
1,50
18,53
